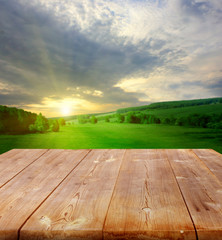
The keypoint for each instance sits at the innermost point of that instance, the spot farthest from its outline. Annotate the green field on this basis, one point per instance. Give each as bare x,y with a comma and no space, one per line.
115,135
174,104
185,111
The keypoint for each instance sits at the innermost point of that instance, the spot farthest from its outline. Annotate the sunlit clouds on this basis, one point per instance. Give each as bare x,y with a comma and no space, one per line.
68,106
70,57
81,92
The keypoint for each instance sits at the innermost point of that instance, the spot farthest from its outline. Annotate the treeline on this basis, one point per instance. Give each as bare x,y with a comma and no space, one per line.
94,118
76,117
192,120
15,120
18,121
87,119
172,104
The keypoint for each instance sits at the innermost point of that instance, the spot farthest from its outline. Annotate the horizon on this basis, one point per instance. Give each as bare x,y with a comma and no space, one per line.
98,113
64,58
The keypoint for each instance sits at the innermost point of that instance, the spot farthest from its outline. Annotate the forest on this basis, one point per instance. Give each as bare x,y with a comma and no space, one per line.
19,121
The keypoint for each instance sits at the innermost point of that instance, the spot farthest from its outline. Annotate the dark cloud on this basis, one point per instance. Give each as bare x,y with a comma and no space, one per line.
144,60
215,87
43,56
194,8
115,95
215,84
185,84
18,99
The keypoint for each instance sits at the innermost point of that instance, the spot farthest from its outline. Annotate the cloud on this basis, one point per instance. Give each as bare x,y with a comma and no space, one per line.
118,53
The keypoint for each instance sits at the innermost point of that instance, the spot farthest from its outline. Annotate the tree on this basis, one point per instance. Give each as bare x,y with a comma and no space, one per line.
151,119
180,121
62,122
166,121
83,119
142,118
40,125
120,118
94,120
130,117
107,119
55,126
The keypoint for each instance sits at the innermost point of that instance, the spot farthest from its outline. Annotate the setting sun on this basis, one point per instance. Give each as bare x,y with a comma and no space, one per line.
66,110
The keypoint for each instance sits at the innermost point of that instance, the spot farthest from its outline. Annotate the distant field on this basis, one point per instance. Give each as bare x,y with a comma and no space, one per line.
185,111
167,113
164,110
173,104
174,112
115,135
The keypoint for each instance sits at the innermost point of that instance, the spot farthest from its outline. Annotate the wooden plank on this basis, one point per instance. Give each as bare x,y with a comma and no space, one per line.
77,208
14,161
24,193
147,203
202,192
212,159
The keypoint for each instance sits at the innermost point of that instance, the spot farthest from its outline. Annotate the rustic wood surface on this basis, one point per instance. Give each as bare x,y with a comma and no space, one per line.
201,190
212,160
78,207
14,161
111,194
151,203
24,193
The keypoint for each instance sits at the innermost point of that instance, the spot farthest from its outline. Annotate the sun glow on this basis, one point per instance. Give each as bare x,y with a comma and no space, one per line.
67,107
66,110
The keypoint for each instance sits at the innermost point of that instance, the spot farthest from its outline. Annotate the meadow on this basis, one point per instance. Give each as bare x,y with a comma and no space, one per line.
117,135
185,111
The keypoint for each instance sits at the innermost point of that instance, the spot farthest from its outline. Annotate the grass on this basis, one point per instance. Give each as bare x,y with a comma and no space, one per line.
185,111
115,135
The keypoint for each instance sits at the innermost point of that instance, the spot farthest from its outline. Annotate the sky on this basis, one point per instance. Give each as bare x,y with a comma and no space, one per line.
66,57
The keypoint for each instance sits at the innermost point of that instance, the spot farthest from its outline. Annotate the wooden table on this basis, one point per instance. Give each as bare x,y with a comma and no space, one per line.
111,194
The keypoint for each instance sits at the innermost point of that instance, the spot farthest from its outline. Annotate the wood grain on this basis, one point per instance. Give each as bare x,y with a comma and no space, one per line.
24,193
77,208
14,161
212,159
201,190
147,203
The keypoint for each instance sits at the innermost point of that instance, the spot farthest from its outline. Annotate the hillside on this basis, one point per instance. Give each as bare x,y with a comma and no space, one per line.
206,113
193,113
185,111
163,109
173,104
